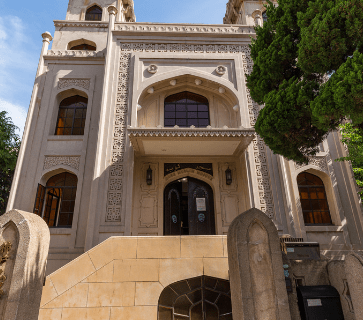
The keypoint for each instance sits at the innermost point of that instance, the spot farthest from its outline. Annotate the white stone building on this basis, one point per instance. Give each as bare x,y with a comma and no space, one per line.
146,129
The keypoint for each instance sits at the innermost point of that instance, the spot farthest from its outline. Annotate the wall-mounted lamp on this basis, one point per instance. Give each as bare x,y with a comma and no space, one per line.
149,176
228,177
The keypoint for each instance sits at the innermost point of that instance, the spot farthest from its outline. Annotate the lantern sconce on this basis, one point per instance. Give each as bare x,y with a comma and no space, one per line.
149,176
228,176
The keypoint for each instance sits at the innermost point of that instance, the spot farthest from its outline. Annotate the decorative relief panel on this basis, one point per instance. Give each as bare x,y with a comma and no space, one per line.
52,161
65,83
319,162
229,193
115,186
148,212
259,148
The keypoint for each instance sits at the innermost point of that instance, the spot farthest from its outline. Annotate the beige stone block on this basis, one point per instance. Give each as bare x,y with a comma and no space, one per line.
111,294
201,246
105,274
134,313
48,292
102,254
75,297
124,247
172,270
147,293
216,267
158,247
50,314
72,273
136,270
86,313
225,248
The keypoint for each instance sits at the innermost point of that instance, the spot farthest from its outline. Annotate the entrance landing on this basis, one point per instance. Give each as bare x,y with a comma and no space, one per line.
123,277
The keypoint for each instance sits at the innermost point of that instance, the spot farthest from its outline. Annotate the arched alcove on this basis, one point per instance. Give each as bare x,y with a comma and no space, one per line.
221,100
200,298
82,44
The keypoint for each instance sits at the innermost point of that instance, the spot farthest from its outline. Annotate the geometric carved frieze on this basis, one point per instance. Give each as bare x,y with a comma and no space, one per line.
259,148
184,28
65,83
52,161
319,162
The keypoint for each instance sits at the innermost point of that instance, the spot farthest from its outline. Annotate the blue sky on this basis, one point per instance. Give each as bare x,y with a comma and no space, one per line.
22,23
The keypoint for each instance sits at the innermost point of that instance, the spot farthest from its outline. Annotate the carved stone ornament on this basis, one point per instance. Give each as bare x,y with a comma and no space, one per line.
52,161
221,70
153,68
65,83
319,162
74,54
136,27
4,256
4,251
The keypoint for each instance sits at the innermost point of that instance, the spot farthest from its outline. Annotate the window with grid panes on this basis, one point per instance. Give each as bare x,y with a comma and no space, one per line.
313,199
55,202
186,109
94,14
72,116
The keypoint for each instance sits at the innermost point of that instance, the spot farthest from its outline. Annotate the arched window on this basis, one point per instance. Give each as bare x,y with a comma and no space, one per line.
71,116
186,109
55,202
264,16
197,298
83,46
94,13
313,199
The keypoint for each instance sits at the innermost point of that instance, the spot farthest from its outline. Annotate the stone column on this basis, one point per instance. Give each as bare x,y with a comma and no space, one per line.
257,278
24,244
102,137
33,103
354,273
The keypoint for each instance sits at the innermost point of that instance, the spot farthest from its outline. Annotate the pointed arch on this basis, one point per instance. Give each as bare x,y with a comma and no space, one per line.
82,44
94,13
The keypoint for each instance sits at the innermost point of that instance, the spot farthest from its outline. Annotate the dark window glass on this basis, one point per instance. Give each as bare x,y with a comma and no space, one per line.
59,197
314,203
196,299
264,16
186,109
84,46
71,116
94,14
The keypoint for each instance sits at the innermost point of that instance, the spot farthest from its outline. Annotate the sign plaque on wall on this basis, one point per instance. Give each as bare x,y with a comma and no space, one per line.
173,167
201,204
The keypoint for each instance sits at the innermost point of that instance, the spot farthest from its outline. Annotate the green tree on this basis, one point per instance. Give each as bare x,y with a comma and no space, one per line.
352,138
308,72
9,149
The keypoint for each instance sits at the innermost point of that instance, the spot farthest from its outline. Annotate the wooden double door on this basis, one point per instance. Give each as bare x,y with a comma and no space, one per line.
188,208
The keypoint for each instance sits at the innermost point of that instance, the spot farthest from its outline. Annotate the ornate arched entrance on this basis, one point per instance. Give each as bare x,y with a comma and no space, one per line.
188,208
201,298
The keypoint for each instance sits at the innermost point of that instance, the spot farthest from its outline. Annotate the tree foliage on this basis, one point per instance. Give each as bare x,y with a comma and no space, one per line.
352,138
308,70
9,148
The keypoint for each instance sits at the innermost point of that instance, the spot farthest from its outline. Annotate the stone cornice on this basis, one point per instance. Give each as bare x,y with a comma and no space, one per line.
78,54
80,24
184,28
190,132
